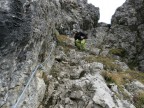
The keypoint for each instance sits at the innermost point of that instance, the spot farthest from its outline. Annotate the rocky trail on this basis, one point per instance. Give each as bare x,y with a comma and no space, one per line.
74,82
108,74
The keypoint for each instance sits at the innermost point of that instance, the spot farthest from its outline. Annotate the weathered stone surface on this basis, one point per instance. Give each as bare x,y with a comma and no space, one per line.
105,52
127,28
95,51
20,47
98,36
135,86
77,15
122,65
76,72
26,35
84,85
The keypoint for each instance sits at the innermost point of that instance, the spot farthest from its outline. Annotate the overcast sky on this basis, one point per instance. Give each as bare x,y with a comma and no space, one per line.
107,8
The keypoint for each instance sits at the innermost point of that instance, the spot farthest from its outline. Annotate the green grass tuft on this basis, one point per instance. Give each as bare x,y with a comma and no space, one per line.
118,51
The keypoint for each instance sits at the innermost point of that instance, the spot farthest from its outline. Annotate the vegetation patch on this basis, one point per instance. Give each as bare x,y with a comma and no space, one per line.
136,75
133,63
63,39
119,78
139,100
67,48
118,51
108,62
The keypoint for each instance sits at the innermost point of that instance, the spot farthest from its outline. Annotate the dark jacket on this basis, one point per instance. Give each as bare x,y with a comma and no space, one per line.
80,36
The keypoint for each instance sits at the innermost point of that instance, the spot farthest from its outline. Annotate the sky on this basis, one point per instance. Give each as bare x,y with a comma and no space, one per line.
107,8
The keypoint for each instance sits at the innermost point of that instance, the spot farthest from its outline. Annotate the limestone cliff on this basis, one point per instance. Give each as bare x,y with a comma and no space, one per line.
76,80
35,36
27,29
127,29
125,32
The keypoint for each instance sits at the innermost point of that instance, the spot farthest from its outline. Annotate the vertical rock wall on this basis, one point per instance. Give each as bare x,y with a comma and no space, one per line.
127,28
26,36
25,42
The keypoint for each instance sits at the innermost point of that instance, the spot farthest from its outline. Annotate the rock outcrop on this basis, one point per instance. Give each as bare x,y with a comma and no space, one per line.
27,29
76,83
65,76
127,31
25,41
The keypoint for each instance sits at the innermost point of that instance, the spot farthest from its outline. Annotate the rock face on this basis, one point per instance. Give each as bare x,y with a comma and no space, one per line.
127,29
99,35
25,40
26,34
76,14
28,31
75,83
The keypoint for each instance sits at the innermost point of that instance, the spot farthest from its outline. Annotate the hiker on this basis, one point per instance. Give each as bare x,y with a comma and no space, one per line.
80,41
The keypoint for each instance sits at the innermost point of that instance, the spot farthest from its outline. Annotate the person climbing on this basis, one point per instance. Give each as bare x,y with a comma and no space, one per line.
80,40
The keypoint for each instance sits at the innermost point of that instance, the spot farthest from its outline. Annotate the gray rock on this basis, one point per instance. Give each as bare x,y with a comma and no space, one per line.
141,66
122,65
77,95
82,90
105,52
136,85
95,65
95,51
127,28
76,73
26,36
114,88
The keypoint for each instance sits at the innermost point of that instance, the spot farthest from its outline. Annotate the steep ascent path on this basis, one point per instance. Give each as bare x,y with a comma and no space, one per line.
76,80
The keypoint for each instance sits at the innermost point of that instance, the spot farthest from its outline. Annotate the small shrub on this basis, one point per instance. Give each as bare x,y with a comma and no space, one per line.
118,51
